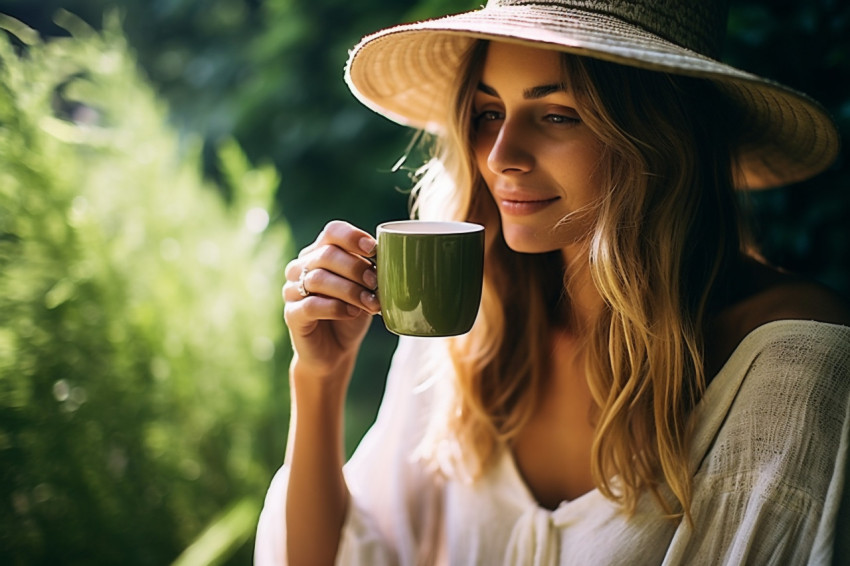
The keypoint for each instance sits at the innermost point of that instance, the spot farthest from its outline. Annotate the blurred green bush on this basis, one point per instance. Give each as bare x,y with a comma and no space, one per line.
140,324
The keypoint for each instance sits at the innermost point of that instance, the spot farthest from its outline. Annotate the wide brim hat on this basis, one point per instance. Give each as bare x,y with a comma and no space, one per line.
407,73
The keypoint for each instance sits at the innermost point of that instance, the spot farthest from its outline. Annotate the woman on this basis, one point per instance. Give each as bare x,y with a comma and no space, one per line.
637,388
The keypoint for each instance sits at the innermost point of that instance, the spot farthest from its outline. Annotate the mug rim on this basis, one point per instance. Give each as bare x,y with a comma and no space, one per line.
423,227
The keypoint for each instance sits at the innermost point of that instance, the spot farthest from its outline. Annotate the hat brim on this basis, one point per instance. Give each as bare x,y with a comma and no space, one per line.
406,74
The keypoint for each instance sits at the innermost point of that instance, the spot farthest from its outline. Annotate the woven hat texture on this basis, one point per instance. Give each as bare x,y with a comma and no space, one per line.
406,72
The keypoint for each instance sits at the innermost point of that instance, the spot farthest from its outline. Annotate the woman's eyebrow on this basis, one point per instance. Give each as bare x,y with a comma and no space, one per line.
536,92
487,89
531,93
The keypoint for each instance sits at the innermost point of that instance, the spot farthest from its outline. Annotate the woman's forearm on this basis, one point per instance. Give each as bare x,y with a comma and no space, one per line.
317,496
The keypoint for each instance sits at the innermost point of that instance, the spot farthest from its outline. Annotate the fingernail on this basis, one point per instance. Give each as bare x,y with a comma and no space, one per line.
352,310
367,244
370,301
370,279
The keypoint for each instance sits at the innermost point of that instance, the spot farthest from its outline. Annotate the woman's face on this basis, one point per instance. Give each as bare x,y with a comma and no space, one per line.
534,152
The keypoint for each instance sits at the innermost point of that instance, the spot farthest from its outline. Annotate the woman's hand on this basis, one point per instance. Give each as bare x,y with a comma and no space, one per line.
329,323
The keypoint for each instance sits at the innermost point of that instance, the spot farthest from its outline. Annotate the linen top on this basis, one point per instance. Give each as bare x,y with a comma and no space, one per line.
770,468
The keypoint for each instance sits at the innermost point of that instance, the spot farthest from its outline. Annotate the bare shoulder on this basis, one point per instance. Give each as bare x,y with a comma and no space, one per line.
769,295
790,297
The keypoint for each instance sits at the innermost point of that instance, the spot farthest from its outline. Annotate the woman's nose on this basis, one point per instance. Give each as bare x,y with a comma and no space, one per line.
511,151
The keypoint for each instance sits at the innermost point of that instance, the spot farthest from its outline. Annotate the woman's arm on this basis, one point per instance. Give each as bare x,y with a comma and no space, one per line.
327,325
393,511
317,496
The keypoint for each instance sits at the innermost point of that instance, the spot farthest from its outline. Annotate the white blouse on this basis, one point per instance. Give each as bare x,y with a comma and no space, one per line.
769,454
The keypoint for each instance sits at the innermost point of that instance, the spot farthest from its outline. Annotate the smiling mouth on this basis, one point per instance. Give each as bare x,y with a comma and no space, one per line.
524,207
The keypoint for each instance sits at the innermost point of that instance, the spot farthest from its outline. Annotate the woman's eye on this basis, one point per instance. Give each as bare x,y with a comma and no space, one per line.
561,119
486,116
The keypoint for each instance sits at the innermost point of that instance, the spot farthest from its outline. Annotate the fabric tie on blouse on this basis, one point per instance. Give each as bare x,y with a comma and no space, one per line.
535,536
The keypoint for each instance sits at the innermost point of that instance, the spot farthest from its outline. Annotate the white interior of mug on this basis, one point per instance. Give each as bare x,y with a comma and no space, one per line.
429,227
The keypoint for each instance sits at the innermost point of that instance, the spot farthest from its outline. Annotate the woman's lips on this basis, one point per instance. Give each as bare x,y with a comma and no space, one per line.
522,206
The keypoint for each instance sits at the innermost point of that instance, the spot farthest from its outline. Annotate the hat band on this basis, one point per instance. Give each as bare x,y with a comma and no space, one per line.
693,24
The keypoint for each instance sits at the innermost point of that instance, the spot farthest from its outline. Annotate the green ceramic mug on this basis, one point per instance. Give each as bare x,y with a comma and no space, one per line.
429,276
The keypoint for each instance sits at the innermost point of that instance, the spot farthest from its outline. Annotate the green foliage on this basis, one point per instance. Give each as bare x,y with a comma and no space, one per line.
269,73
139,334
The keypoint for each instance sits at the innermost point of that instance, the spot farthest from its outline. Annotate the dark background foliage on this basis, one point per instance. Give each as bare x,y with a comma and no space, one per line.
268,74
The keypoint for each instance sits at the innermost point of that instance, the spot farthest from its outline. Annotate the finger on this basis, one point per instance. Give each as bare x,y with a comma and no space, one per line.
351,266
328,284
335,260
306,313
332,287
347,237
368,302
339,234
309,248
293,269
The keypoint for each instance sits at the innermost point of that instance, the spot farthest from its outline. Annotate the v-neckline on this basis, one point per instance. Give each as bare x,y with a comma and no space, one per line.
518,482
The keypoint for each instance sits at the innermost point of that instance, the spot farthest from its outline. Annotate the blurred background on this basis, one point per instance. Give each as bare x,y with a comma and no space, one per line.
160,162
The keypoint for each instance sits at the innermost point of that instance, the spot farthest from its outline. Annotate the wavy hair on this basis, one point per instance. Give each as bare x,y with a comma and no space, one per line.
661,253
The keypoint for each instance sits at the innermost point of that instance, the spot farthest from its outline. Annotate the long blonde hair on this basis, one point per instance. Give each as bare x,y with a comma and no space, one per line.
660,255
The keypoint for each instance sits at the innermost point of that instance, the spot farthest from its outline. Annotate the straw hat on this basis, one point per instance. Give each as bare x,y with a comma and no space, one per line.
406,72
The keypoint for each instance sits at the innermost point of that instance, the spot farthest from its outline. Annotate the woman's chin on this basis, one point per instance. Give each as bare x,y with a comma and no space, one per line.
531,240
527,242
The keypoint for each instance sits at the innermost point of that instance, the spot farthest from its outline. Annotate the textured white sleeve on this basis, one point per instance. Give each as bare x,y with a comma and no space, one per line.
270,542
361,543
392,497
770,488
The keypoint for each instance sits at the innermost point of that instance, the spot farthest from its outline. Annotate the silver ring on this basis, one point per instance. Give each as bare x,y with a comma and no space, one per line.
302,290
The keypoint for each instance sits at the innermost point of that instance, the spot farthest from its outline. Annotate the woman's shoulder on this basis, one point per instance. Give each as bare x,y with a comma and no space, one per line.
771,295
793,298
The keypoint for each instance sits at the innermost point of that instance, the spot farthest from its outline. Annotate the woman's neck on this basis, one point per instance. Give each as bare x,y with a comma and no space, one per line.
583,301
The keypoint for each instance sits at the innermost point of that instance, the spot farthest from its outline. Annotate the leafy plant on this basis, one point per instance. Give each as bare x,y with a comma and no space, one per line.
140,334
